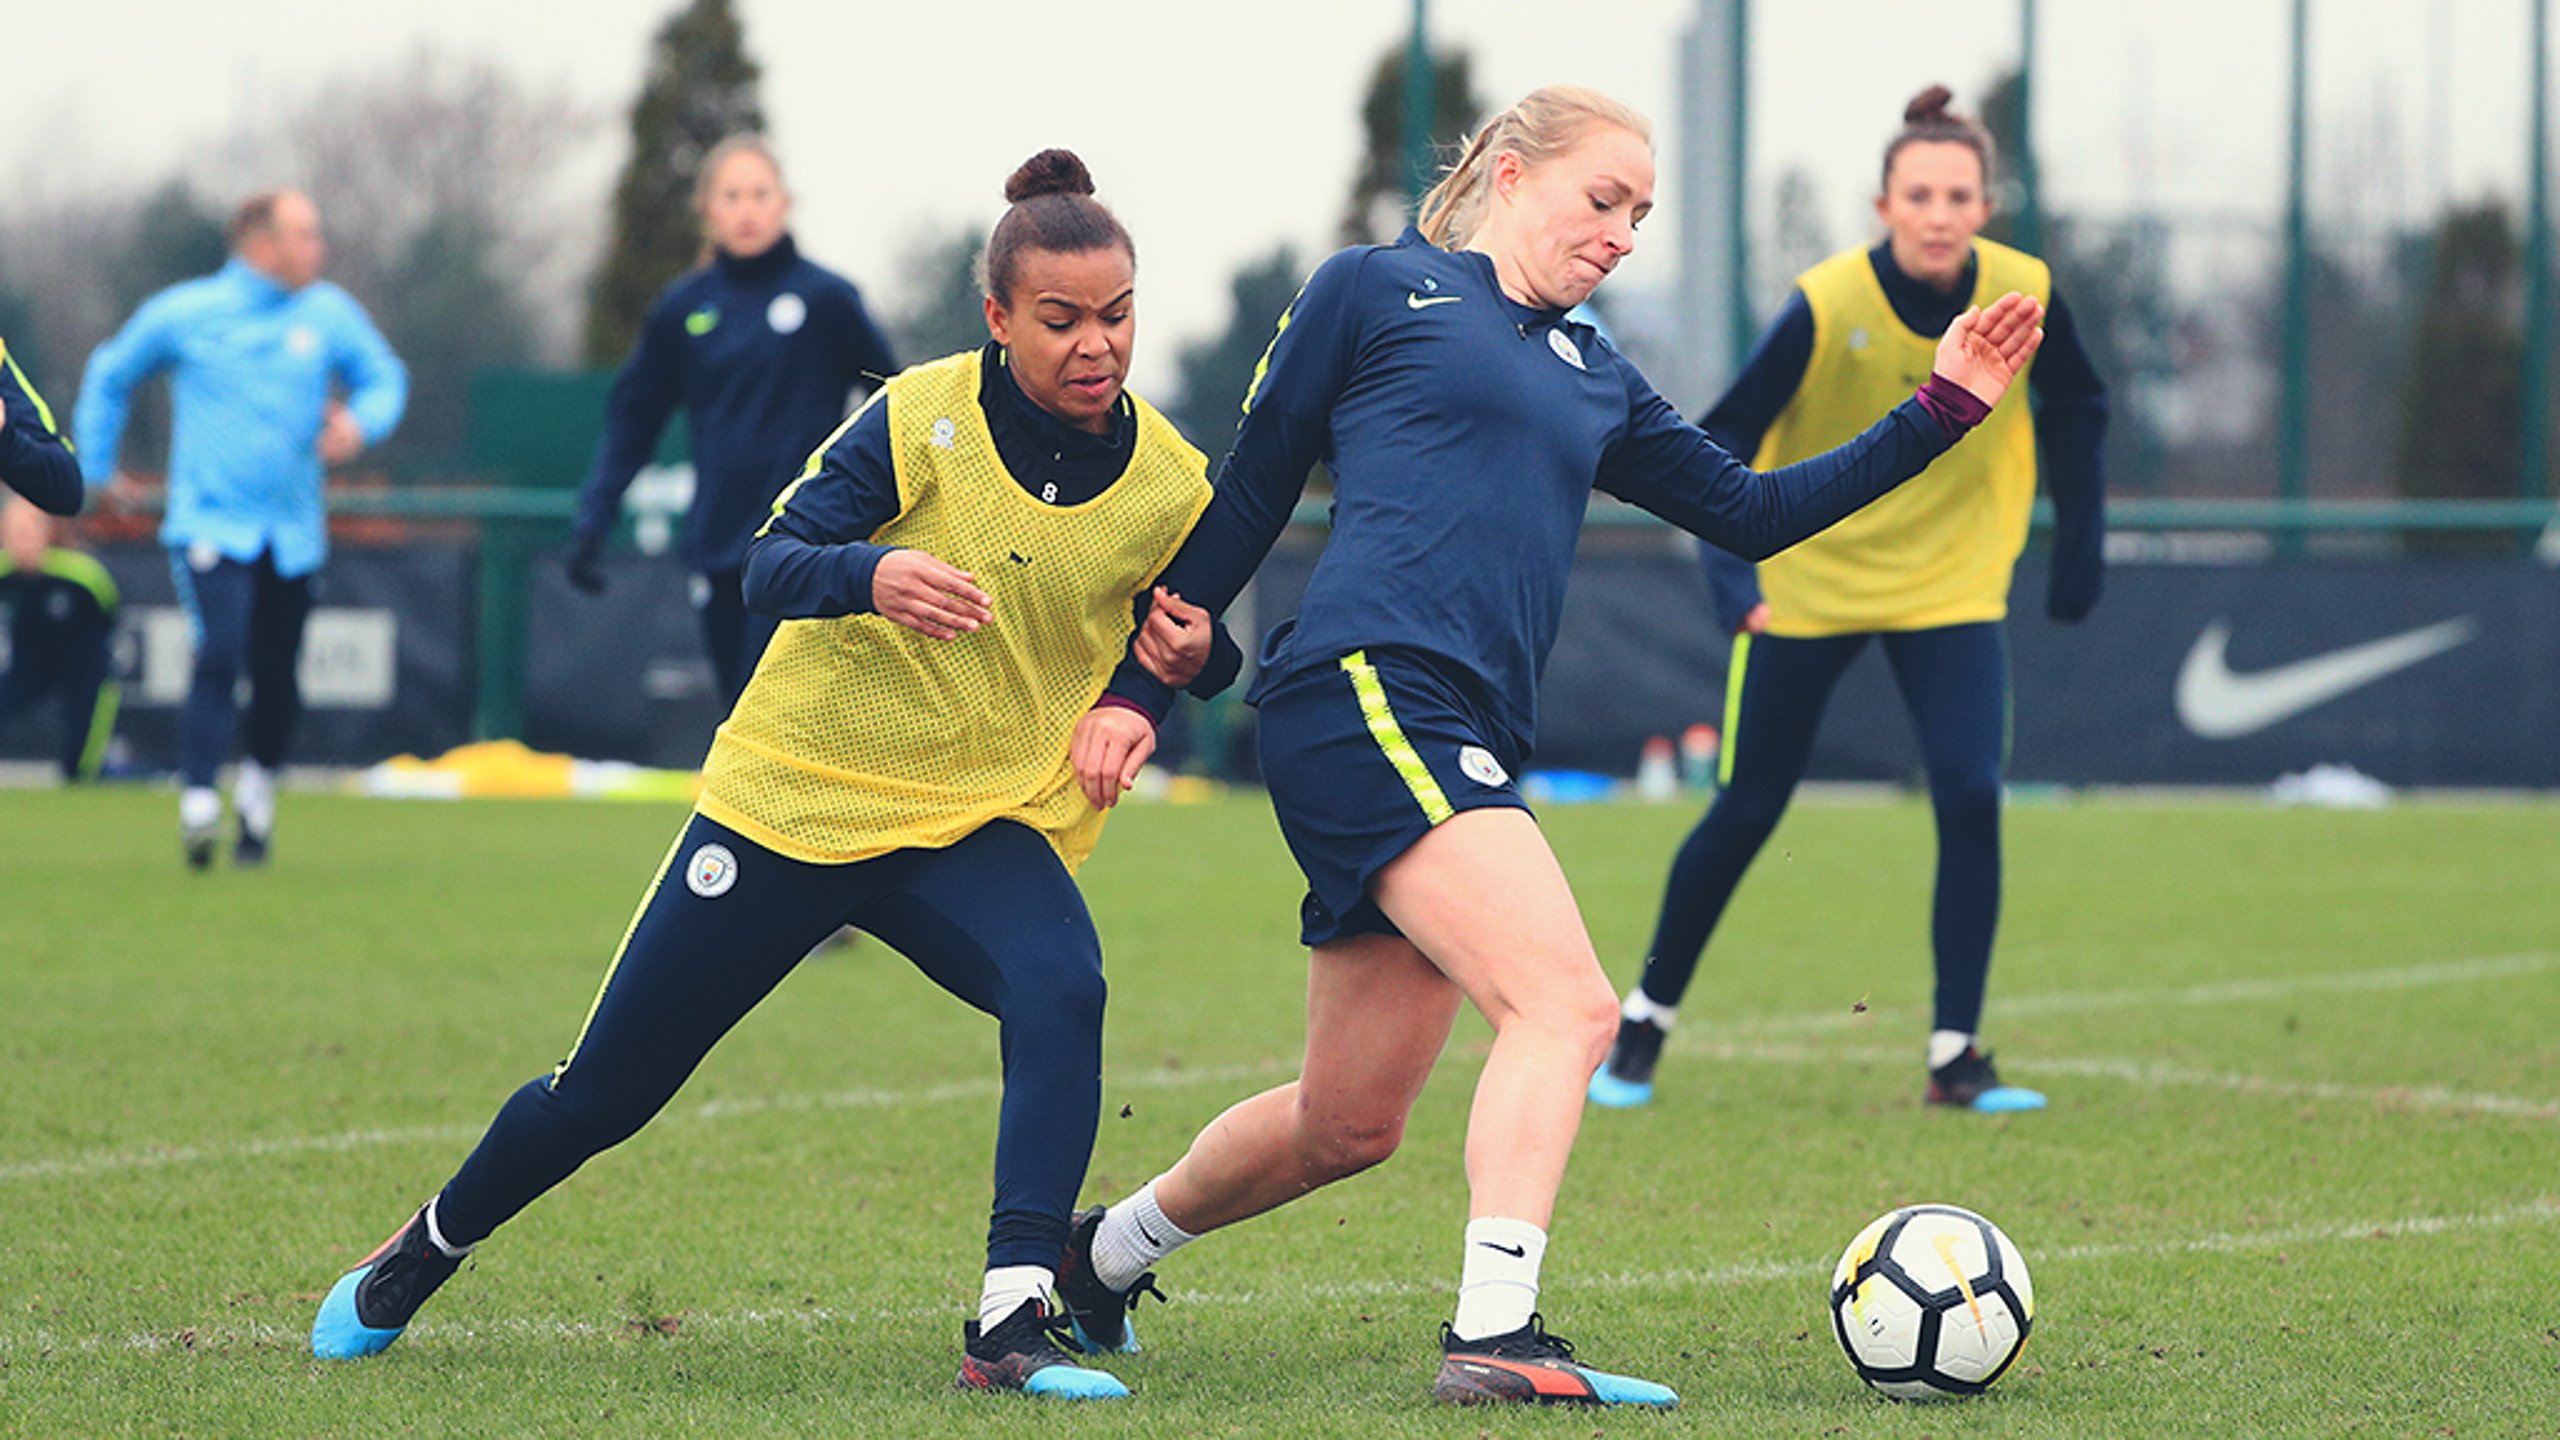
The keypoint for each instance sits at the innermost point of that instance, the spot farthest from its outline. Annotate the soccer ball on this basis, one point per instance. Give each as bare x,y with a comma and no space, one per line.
1931,1303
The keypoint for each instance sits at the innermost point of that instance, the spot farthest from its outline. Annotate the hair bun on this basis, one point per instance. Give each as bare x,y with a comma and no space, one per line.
1051,172
1929,104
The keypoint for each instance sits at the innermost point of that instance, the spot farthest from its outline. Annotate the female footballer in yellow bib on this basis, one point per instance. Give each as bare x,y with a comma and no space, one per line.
1924,572
959,569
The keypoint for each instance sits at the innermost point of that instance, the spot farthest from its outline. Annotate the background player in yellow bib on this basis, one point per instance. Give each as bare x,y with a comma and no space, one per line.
1925,570
960,567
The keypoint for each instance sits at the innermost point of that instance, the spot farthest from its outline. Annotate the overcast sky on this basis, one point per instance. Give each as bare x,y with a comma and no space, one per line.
1218,129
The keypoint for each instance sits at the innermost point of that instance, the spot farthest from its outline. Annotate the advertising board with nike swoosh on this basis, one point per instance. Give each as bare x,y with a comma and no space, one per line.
2418,673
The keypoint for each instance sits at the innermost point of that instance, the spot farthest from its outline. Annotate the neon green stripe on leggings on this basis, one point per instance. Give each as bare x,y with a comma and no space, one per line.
1740,662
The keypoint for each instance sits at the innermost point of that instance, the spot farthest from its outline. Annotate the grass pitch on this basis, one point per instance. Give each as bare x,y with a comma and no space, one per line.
2299,1177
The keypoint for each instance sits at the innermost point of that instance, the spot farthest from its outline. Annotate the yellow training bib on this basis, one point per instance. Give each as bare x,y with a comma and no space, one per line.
1939,549
858,736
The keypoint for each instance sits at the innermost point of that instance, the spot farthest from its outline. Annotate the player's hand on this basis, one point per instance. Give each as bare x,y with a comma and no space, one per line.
1174,643
1983,350
341,438
928,596
1111,745
1756,622
124,494
2073,592
585,564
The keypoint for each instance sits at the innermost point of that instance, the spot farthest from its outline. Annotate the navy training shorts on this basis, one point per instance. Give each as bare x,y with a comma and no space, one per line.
1363,756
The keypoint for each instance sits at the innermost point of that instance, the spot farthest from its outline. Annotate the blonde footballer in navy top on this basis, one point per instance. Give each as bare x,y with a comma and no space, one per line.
1466,422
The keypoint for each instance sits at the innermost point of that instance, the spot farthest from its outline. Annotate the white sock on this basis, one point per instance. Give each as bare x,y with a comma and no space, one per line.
1945,1045
1008,1286
1132,1237
1498,1285
199,807
253,797
1641,1007
435,1236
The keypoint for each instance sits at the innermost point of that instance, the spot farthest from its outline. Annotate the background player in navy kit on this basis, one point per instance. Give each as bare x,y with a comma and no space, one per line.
1924,572
763,349
1466,421
62,618
35,460
899,763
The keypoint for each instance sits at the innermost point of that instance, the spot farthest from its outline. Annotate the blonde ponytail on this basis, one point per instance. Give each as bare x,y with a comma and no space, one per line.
1547,122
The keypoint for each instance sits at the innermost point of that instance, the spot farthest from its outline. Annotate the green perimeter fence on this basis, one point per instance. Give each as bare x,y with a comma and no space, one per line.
518,527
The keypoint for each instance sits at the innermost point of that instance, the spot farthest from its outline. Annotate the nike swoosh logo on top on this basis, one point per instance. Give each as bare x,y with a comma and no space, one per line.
1414,300
2217,704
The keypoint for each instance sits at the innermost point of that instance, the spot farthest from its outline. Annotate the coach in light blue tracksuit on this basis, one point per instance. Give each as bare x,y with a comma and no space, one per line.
257,355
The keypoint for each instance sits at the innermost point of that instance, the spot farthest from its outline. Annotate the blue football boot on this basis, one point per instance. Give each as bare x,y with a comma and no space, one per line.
371,1304
1022,1353
1625,1080
1531,1367
1971,1082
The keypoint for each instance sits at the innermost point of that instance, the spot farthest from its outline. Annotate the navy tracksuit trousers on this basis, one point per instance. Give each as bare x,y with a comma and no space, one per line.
1955,682
995,919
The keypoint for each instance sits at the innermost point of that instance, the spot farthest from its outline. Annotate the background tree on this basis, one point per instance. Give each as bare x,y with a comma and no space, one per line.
2460,403
175,237
1380,204
940,311
437,180
2115,278
701,86
171,237
1215,372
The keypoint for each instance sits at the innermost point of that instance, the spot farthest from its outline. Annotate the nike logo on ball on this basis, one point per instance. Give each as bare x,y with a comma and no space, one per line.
2217,704
1415,300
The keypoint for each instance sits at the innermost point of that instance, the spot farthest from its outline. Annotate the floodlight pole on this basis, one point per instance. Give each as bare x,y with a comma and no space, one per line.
1419,83
1737,211
2533,468
2292,432
2030,190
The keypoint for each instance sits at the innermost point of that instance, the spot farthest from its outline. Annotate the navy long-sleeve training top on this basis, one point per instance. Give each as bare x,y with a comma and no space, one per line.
2070,417
815,560
1465,433
35,459
763,353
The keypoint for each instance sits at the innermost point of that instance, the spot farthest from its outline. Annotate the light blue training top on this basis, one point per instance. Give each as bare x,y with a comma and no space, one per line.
251,369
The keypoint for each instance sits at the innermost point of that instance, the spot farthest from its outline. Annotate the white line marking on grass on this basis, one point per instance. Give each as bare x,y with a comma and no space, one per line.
2082,1002
447,1335
1167,1078
153,1157
157,1156
2158,1074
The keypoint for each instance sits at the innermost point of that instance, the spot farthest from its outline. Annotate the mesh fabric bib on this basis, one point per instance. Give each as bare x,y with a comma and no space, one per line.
858,736
1938,550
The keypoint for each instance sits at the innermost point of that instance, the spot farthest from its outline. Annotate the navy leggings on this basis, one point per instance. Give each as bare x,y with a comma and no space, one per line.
994,919
247,620
68,661
1955,682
